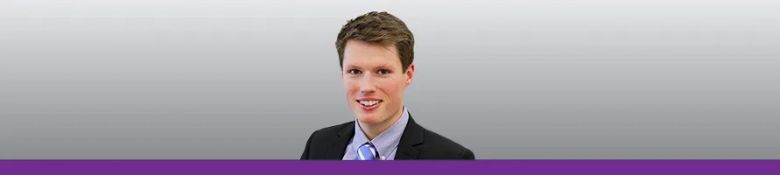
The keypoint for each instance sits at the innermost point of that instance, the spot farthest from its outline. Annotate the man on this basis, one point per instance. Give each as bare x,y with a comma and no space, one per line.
375,55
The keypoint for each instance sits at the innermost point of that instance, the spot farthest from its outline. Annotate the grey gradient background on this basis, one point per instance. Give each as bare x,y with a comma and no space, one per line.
241,79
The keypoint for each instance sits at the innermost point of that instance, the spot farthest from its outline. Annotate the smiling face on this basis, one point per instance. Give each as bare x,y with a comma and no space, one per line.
374,81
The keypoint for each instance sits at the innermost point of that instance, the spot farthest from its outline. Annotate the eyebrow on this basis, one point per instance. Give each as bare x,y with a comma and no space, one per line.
385,65
381,66
349,66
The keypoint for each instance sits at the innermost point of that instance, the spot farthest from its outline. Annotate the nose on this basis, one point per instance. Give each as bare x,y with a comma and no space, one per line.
367,84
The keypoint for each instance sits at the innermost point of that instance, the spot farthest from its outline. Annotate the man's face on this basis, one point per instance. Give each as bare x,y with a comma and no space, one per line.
374,81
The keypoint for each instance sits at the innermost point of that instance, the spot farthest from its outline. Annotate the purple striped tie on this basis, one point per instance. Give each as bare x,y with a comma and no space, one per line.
367,151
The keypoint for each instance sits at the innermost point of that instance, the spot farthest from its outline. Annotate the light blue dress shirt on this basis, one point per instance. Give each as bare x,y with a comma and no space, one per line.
386,143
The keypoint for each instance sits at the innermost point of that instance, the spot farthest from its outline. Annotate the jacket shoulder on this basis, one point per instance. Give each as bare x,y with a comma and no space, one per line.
316,145
446,147
333,129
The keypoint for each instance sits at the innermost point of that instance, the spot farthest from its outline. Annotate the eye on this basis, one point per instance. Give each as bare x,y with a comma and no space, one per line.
353,71
383,71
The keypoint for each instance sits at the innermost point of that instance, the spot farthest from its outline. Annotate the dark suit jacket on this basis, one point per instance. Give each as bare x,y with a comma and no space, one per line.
416,143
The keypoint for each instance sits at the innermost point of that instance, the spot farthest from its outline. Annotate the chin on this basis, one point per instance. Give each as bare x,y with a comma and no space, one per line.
369,119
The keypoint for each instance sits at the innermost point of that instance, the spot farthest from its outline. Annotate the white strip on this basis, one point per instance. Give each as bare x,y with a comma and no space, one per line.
361,154
373,152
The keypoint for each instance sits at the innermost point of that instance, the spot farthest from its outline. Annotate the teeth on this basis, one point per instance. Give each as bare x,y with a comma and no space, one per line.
369,103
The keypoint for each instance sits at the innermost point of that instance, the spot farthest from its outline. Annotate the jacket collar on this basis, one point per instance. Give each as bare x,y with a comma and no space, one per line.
411,139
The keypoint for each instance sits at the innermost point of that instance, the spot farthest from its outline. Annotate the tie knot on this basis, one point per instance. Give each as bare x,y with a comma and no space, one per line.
367,151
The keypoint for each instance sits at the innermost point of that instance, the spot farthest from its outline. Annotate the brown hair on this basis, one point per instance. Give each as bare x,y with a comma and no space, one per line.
381,28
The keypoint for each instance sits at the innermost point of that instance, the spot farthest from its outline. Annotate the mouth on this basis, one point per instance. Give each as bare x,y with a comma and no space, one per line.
369,103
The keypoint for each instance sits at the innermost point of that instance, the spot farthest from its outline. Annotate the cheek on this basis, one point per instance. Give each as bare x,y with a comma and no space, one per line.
392,88
350,87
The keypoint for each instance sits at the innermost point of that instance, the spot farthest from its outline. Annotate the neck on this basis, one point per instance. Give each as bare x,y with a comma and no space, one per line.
372,130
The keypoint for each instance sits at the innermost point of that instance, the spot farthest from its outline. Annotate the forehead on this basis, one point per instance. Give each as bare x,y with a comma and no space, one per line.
360,53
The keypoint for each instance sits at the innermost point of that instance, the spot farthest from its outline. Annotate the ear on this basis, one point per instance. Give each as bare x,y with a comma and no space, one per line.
409,74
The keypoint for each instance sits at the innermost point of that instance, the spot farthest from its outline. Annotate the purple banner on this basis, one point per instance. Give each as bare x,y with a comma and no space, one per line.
261,167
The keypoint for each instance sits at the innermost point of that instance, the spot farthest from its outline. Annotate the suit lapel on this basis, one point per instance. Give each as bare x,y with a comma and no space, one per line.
410,140
337,149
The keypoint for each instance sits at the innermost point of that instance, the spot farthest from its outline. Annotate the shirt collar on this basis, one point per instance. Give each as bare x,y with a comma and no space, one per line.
387,141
